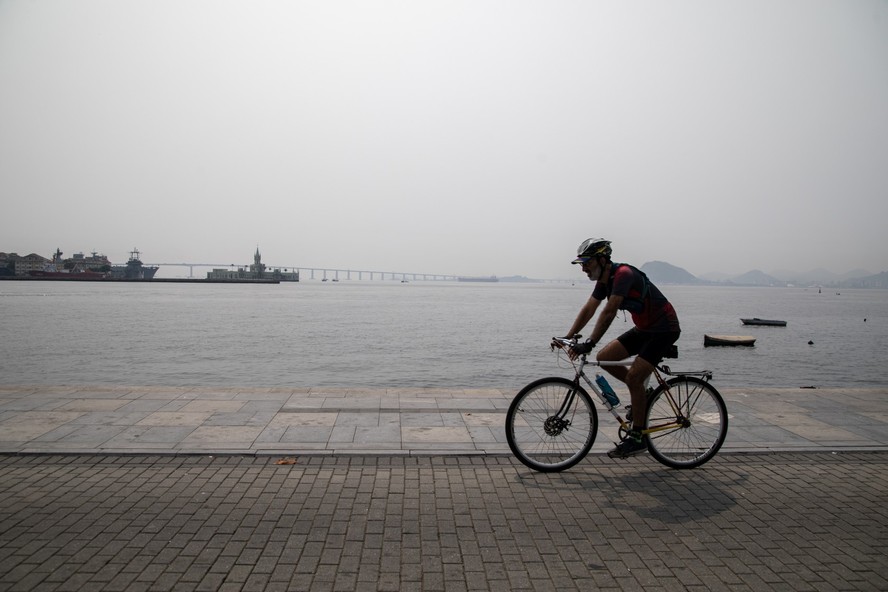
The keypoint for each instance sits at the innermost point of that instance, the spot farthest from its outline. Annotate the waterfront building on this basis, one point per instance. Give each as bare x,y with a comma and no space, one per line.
22,265
256,271
7,263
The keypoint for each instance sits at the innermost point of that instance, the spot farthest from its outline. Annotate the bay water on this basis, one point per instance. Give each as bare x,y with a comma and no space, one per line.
386,334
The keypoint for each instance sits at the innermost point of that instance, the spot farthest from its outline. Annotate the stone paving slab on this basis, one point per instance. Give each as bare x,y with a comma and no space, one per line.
742,522
122,419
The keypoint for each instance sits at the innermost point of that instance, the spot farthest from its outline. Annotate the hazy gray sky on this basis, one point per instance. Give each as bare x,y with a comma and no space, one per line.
465,137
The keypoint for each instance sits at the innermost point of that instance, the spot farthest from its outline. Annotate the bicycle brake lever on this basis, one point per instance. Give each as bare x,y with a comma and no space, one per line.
560,343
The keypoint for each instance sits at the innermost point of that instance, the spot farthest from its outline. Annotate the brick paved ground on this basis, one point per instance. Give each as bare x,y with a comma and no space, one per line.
781,521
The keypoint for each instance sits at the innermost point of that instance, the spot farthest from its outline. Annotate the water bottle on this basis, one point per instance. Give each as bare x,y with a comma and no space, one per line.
609,393
607,390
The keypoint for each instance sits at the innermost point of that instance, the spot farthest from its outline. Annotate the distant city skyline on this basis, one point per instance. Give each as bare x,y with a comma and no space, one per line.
454,137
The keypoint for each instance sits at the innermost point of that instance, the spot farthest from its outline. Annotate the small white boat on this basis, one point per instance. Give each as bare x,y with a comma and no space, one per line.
713,340
768,322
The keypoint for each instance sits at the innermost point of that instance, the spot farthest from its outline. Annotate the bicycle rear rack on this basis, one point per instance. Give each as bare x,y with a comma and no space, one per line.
704,374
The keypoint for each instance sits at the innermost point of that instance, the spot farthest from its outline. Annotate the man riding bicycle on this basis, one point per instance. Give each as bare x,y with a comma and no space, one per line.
655,332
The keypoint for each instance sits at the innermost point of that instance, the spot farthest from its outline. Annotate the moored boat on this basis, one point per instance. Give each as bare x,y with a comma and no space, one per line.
134,269
713,340
768,322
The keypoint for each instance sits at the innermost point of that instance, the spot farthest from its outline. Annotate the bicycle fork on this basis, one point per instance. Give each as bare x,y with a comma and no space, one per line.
558,422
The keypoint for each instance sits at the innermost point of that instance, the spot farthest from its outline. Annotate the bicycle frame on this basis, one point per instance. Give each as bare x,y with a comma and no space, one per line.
658,372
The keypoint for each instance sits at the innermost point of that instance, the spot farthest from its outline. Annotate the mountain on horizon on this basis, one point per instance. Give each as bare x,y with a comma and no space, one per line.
715,276
818,275
661,272
756,277
666,273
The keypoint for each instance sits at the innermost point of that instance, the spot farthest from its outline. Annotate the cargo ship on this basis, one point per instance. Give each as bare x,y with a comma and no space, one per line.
77,268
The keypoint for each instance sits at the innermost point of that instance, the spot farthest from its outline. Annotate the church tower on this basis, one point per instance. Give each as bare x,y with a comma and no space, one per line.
257,270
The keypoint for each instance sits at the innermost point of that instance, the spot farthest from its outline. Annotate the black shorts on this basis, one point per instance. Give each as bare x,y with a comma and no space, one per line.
650,347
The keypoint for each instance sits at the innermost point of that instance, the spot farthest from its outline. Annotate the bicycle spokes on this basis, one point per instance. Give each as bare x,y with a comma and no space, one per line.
687,422
551,424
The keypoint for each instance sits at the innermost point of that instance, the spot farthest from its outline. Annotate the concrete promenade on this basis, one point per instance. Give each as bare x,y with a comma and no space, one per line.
122,488
271,421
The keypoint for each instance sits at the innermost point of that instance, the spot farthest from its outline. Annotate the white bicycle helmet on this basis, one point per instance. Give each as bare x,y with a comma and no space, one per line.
593,247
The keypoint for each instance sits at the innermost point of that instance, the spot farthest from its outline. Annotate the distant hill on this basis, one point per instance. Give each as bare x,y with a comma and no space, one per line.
756,278
857,273
666,273
879,280
818,276
815,275
715,276
519,279
661,272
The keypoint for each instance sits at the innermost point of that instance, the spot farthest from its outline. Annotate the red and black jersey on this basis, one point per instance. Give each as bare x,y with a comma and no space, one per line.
650,309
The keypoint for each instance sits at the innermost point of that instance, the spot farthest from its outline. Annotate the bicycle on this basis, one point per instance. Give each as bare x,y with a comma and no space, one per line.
552,422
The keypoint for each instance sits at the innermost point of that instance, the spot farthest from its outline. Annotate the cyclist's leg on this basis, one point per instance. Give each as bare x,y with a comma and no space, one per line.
628,344
614,352
633,442
650,353
636,377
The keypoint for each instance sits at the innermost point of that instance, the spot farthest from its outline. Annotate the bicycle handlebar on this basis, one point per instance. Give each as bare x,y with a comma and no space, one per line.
572,346
561,343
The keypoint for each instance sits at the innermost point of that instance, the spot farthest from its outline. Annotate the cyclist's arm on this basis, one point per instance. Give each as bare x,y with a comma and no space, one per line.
585,315
607,316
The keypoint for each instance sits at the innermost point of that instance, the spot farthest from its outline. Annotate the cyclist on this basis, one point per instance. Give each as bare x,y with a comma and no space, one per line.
655,332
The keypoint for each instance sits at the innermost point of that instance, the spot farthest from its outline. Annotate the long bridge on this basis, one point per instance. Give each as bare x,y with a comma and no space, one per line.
325,273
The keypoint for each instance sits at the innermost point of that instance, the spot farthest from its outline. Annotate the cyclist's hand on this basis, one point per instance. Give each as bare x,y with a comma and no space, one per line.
579,349
558,342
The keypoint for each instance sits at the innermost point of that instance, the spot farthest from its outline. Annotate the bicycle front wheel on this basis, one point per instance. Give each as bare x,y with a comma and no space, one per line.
689,422
551,424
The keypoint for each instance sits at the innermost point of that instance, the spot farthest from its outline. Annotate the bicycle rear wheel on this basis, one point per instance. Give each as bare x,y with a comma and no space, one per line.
699,422
551,424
